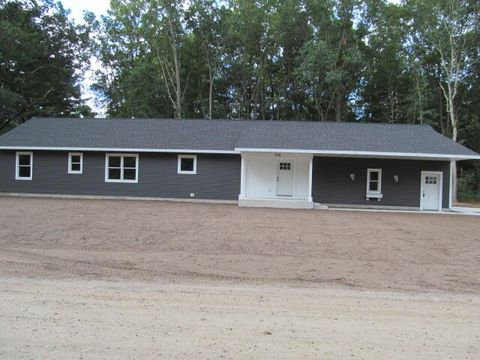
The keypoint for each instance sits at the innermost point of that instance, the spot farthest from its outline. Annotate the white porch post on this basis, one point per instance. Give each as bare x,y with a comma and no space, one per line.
242,178
450,189
310,180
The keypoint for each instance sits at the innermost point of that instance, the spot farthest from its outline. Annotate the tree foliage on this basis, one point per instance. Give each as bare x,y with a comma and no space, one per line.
41,55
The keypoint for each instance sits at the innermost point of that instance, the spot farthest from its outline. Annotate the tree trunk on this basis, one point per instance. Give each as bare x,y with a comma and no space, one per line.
210,90
178,84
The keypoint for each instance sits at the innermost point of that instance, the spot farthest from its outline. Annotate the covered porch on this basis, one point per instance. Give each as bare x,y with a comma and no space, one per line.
306,180
274,179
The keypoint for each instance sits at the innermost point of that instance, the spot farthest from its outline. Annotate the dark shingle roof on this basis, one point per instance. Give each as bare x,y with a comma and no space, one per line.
227,135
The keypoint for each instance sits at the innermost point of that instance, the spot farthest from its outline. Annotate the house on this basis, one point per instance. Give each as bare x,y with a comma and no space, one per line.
294,164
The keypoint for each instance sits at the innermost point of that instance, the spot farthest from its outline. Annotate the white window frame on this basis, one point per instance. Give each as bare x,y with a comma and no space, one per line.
17,165
179,164
122,156
70,171
378,193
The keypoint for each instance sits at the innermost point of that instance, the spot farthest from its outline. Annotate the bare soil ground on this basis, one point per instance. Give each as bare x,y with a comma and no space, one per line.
144,279
79,319
149,240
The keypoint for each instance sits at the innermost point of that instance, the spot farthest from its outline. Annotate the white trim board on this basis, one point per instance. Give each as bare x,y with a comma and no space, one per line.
377,154
341,153
125,150
450,185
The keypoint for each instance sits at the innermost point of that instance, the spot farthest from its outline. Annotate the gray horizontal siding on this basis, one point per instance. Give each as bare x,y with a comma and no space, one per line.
218,176
332,183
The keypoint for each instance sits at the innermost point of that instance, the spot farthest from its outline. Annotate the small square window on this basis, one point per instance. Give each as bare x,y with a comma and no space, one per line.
187,164
285,166
75,163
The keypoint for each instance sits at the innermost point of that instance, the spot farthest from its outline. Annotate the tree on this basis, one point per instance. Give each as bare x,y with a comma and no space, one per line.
331,61
447,28
204,20
42,55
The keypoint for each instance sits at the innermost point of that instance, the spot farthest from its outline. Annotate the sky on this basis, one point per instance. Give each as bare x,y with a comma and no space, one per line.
77,7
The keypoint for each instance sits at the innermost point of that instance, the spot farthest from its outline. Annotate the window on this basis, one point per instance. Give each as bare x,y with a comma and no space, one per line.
24,166
187,164
374,182
75,163
285,166
121,168
430,180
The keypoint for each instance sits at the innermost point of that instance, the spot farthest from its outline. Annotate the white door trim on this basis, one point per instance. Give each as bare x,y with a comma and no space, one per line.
440,187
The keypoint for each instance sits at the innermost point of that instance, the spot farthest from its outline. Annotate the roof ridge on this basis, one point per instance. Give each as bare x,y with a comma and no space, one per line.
276,121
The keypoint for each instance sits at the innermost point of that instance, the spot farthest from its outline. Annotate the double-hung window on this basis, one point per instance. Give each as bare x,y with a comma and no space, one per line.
75,163
24,166
374,183
187,164
121,168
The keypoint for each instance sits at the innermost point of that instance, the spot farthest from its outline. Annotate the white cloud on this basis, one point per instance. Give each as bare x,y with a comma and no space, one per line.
77,7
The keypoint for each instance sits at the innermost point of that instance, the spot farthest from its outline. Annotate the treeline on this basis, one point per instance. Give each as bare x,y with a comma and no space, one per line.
338,60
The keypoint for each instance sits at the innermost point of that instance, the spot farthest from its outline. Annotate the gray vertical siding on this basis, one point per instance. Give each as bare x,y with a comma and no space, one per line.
218,176
332,183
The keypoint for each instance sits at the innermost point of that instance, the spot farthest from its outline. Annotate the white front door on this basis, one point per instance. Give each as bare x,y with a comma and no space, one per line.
430,192
284,178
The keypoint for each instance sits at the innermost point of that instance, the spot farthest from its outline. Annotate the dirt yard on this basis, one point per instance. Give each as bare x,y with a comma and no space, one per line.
144,279
149,240
58,319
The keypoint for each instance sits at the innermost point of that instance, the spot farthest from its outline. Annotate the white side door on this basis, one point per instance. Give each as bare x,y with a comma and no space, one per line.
430,192
284,178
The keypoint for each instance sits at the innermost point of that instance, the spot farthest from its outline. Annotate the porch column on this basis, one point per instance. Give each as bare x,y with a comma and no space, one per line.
242,178
310,179
450,188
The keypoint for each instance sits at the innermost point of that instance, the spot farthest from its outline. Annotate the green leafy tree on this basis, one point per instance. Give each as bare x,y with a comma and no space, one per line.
331,62
42,54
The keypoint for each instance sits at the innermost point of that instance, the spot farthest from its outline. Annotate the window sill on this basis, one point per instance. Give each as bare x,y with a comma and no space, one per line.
23,179
122,181
374,196
186,172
